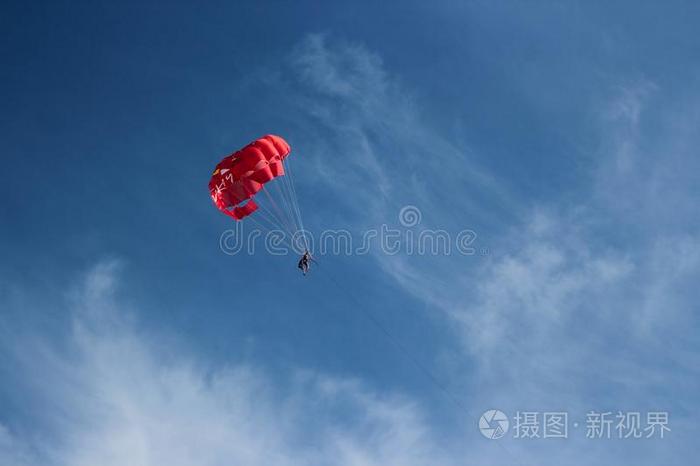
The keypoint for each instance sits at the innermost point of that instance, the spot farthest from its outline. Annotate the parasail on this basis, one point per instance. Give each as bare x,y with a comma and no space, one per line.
255,182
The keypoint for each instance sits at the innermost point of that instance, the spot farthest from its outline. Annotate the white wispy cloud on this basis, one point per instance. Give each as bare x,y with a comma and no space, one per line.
559,256
368,139
116,395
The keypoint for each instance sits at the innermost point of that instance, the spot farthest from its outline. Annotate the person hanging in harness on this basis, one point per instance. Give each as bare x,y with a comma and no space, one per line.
305,262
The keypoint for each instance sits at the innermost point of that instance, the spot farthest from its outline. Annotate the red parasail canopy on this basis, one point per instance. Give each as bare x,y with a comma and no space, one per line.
238,177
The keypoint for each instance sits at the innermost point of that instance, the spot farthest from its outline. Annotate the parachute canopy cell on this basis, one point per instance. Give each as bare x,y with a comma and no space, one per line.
239,176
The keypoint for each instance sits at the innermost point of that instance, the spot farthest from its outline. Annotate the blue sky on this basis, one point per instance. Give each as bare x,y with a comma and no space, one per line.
564,134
